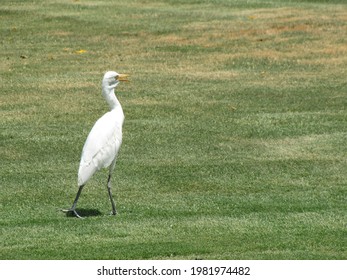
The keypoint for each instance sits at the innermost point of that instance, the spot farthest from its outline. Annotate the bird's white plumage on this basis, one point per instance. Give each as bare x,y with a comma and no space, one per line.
102,145
105,138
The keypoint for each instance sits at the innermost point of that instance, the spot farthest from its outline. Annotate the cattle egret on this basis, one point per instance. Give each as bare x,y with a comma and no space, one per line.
104,140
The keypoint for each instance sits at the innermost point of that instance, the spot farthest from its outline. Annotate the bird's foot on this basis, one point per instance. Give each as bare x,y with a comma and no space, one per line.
113,212
72,211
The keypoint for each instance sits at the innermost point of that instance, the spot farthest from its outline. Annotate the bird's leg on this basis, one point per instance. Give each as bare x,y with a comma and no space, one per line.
114,212
73,208
113,164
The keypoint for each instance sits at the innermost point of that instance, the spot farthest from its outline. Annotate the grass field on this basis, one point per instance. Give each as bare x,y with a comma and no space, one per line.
235,136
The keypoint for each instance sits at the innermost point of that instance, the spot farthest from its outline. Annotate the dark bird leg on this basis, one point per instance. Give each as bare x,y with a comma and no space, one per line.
114,211
73,208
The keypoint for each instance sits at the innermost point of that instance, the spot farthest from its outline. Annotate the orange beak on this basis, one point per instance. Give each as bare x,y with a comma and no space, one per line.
123,78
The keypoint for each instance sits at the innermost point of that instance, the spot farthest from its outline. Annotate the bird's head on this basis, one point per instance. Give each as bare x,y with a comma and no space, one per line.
111,79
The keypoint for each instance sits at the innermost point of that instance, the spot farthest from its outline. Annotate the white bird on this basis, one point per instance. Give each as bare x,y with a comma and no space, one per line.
104,140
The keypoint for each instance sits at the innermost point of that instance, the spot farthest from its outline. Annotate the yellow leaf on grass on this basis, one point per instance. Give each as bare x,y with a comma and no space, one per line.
80,51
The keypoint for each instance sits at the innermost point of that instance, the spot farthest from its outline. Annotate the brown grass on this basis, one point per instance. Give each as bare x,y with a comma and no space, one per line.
299,31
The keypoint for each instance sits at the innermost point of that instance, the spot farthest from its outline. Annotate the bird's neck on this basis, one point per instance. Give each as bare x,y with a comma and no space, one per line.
110,97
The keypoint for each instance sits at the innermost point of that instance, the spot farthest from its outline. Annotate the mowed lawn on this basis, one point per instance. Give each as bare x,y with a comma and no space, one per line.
235,137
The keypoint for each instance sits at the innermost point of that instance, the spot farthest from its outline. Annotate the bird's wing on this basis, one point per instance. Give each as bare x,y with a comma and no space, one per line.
103,142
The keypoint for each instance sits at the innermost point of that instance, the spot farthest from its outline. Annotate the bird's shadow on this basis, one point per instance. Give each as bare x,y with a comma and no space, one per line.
84,212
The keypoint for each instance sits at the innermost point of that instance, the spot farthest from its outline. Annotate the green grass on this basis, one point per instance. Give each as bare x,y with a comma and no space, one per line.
234,140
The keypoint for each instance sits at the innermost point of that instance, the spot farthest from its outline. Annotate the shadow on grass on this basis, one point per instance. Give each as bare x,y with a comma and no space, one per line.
85,213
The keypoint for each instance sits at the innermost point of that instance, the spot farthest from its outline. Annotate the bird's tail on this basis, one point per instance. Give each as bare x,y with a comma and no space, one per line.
85,171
